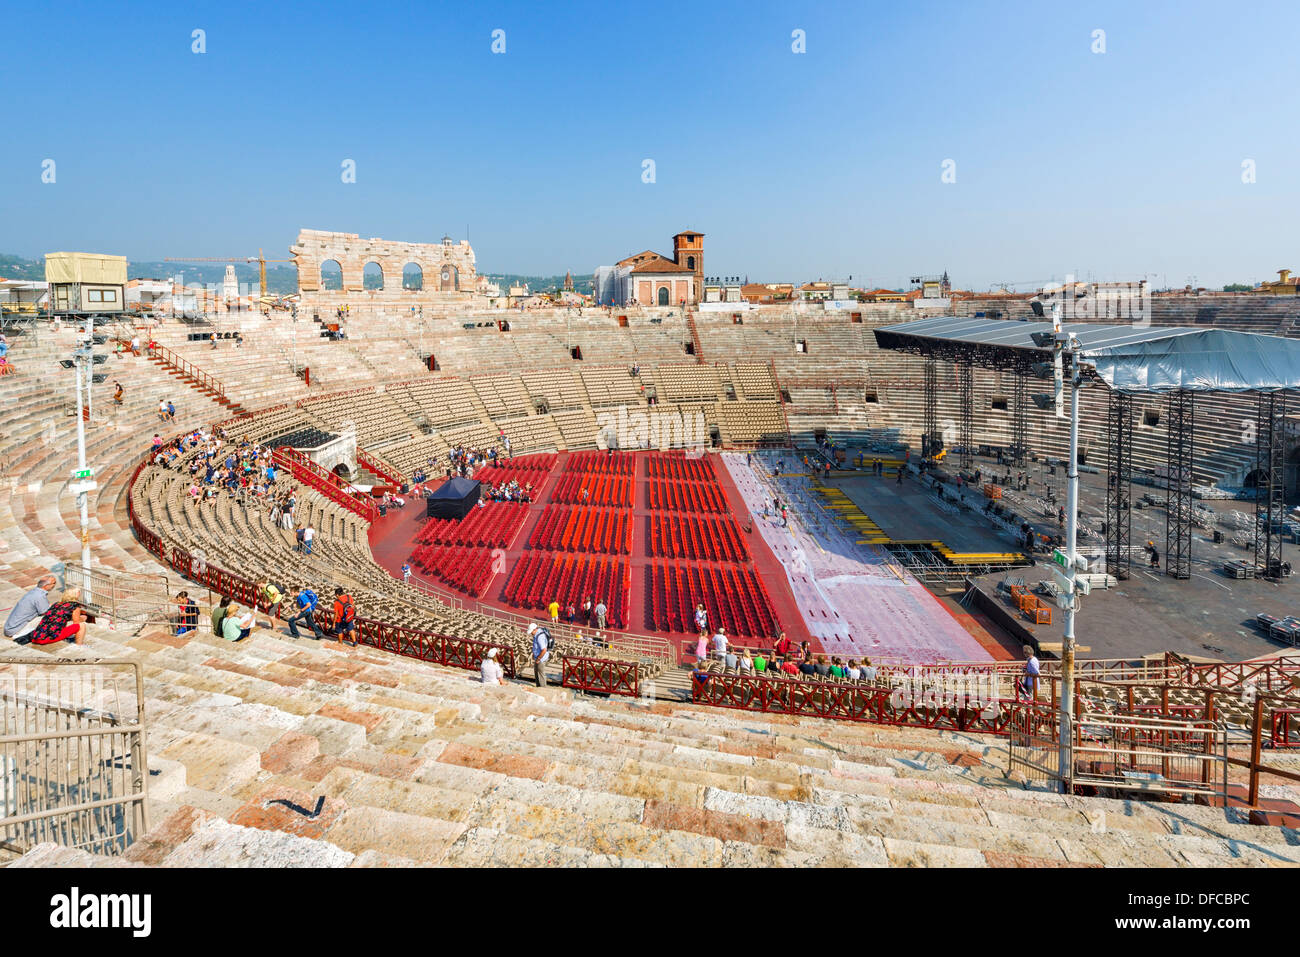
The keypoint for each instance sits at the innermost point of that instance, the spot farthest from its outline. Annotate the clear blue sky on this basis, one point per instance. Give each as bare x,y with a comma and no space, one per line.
796,166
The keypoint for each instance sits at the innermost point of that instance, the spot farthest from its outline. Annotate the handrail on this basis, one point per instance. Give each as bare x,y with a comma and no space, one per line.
327,483
379,468
184,366
110,772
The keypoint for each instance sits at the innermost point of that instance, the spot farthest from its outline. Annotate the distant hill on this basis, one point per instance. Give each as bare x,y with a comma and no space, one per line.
505,280
281,279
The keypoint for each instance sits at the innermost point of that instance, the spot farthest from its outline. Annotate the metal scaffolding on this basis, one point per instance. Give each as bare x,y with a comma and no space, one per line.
1270,483
930,426
1178,516
1020,414
966,385
1119,478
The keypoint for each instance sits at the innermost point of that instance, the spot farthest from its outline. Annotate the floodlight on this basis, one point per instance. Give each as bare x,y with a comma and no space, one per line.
99,340
1043,401
1036,306
1042,370
99,360
66,363
1043,339
99,377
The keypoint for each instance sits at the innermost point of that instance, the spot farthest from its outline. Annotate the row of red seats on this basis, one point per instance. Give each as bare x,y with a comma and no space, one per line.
538,579
733,595
678,465
575,529
522,469
468,569
686,497
610,490
495,525
698,538
602,463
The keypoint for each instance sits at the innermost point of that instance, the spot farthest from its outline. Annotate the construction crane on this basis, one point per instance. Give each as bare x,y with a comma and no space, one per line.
260,259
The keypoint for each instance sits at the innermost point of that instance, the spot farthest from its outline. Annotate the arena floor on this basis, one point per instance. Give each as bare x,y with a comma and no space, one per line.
822,591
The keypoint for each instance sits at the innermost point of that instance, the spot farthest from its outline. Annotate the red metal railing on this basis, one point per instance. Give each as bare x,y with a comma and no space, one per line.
185,367
307,472
848,702
382,469
601,675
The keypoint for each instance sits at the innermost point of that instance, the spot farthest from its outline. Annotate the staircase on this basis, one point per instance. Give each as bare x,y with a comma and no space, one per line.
198,379
695,335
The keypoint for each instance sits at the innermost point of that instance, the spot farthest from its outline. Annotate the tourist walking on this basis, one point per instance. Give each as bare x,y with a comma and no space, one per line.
541,652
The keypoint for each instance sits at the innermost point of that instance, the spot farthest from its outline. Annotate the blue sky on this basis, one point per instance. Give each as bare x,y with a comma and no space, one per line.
795,166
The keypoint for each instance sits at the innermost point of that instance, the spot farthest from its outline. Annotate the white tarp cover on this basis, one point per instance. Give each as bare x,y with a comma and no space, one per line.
96,268
1213,360
1131,358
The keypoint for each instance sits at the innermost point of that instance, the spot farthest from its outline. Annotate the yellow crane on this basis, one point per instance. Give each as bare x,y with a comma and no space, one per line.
260,259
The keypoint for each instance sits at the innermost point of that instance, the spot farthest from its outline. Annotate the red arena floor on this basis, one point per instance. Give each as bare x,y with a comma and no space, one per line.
651,532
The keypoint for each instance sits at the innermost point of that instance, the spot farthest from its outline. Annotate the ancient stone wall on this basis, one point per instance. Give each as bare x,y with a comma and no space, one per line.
447,270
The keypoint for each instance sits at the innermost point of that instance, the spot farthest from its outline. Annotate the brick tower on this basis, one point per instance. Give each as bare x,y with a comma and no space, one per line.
688,251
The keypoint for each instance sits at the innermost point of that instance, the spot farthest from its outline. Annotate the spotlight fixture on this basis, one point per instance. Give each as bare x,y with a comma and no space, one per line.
1045,402
1044,340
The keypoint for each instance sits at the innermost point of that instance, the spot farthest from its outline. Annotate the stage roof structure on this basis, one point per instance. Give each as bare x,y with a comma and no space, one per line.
1127,358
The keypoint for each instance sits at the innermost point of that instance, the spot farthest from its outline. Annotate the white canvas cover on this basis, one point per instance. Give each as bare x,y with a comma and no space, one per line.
97,268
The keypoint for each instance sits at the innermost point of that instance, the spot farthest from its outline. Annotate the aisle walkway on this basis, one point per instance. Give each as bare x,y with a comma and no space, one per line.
853,601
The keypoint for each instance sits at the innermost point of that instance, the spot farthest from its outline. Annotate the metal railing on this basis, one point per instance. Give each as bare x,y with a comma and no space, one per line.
73,765
203,379
121,596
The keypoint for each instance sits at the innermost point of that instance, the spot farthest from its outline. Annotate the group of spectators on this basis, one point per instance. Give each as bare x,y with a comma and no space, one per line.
785,658
510,491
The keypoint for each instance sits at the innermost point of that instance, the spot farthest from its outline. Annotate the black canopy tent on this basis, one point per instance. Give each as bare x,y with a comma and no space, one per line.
454,499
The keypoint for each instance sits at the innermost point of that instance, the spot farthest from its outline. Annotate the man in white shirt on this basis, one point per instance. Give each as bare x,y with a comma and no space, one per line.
491,671
720,644
308,534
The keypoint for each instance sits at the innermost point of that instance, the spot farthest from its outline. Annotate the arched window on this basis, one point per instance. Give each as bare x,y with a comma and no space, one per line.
690,262
663,295
331,275
412,276
372,276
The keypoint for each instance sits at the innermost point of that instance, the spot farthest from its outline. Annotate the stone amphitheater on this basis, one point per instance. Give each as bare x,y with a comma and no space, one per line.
277,751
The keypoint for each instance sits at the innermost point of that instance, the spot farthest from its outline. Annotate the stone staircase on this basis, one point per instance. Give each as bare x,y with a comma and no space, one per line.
276,752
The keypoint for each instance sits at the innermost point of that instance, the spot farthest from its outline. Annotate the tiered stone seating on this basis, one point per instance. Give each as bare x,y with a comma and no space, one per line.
377,415
577,428
441,402
751,422
504,395
682,383
559,388
419,764
612,385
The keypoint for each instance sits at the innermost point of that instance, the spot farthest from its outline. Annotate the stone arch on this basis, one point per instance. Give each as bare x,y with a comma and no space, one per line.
331,275
663,295
448,277
412,277
372,275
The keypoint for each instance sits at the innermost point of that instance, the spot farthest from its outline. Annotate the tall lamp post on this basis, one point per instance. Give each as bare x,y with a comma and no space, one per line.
83,482
1066,570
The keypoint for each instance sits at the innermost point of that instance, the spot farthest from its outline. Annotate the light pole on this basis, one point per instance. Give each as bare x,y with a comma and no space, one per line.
83,480
1067,563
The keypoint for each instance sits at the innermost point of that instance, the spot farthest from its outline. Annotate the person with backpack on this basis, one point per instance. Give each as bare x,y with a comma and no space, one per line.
304,610
345,617
542,644
187,618
219,614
